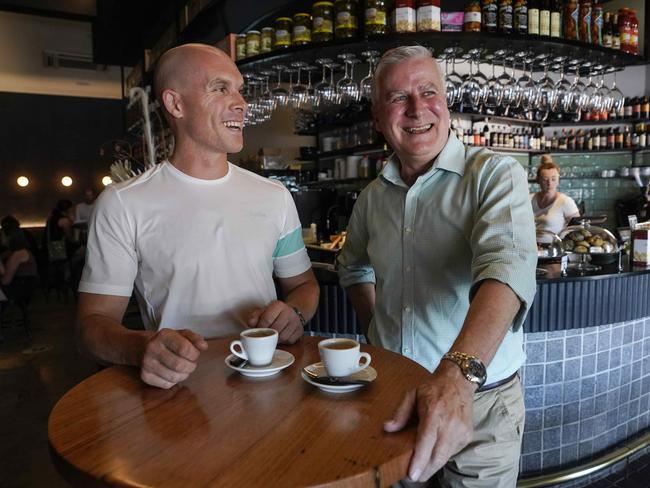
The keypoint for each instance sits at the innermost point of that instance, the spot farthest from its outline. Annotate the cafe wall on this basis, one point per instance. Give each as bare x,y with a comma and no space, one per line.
52,120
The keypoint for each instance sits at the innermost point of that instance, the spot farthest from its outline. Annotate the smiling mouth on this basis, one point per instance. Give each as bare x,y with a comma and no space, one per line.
234,126
418,130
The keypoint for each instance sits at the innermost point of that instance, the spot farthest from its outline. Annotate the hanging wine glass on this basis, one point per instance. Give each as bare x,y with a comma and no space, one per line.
563,91
453,80
346,87
494,90
298,92
280,94
323,90
615,94
365,85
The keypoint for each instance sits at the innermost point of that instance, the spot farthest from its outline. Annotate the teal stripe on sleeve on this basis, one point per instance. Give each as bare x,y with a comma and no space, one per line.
289,244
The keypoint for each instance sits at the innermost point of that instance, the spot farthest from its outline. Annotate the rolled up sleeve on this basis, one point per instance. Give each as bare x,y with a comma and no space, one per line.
503,238
354,265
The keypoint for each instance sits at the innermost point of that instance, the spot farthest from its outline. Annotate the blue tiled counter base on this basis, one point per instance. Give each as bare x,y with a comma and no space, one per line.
586,390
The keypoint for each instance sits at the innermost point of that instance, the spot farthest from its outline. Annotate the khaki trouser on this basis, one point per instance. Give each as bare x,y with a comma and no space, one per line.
491,460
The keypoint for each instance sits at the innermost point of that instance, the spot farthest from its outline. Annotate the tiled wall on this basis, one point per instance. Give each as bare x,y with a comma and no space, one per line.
586,390
581,180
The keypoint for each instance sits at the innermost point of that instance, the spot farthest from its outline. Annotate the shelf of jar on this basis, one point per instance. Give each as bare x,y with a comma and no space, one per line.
599,122
440,40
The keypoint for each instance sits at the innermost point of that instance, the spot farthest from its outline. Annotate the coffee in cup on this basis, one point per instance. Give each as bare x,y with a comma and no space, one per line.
342,357
256,346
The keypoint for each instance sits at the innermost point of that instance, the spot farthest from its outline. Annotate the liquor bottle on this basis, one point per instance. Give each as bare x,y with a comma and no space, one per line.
607,139
635,138
545,18
571,141
645,108
618,139
607,30
486,135
533,17
589,142
627,138
616,35
505,16
597,24
636,108
554,141
490,14
520,20
556,18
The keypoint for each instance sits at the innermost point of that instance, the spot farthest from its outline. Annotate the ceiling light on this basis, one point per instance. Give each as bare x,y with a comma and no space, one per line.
106,180
66,181
22,181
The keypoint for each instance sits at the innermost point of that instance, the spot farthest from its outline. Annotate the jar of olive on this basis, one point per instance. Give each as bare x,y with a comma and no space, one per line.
376,21
268,39
346,24
283,30
253,41
240,47
472,21
301,29
322,21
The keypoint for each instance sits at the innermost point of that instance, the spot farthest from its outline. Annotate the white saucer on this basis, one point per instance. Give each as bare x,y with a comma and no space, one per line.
281,359
367,374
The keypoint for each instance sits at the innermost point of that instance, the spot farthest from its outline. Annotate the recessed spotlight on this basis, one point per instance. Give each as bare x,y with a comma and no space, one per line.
66,181
22,181
106,180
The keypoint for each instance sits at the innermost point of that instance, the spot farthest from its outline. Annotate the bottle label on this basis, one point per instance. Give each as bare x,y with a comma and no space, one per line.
301,34
405,19
505,17
616,42
282,37
634,40
472,17
575,13
267,43
556,23
490,15
323,26
428,18
375,17
533,21
545,23
607,40
625,36
345,20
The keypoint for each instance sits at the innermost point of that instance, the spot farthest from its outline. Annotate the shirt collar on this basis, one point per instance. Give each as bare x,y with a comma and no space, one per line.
451,158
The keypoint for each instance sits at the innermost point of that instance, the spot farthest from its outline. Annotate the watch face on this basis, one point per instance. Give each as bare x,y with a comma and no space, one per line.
476,369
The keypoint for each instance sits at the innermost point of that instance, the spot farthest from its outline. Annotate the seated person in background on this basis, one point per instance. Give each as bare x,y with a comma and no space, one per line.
19,270
553,210
200,238
59,226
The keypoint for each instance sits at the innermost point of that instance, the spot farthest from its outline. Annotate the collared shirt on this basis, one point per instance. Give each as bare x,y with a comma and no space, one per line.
426,248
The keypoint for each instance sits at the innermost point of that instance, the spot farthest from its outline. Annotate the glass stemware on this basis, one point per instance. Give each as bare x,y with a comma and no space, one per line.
494,91
615,94
365,85
563,91
546,94
346,87
298,92
453,80
324,91
280,94
470,90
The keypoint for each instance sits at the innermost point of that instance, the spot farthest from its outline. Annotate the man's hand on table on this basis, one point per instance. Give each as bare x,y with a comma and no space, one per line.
170,356
443,406
281,317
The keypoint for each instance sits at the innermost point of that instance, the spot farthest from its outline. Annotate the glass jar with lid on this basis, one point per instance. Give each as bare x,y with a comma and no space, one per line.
346,23
322,21
283,30
267,40
253,41
428,16
376,17
240,47
301,29
404,16
472,19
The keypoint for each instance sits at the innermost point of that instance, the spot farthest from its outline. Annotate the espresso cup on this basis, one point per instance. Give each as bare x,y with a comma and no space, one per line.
342,357
256,346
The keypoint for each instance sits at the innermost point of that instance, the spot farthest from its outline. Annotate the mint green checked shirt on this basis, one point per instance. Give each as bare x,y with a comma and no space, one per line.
427,247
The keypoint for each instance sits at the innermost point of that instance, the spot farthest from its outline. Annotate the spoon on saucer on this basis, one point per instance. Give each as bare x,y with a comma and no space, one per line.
330,380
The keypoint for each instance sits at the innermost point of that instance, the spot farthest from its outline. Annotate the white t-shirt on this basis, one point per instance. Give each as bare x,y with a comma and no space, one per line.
554,216
83,211
201,253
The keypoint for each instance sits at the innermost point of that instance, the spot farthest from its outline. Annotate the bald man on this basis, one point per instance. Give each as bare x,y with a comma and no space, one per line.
197,239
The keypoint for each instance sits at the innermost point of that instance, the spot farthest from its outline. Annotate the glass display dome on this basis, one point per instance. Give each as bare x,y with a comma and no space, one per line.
594,245
549,246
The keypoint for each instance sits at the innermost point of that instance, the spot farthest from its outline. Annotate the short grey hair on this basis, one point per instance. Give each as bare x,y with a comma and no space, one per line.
395,56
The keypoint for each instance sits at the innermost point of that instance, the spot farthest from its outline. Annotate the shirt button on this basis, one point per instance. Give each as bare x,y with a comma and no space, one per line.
407,230
406,350
407,309
408,269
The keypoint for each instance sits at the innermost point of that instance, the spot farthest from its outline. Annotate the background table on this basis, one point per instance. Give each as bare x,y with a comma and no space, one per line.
220,428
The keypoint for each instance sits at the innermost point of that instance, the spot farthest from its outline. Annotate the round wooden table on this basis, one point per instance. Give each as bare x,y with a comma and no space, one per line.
220,428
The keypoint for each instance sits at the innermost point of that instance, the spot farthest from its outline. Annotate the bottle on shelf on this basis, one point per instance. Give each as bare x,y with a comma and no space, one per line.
556,18
595,139
645,107
607,30
597,24
627,138
404,15
636,108
472,20
520,19
571,14
589,141
485,138
489,15
533,17
635,138
584,21
545,17
625,28
618,139
616,34
606,139
505,16
643,137
555,143
634,32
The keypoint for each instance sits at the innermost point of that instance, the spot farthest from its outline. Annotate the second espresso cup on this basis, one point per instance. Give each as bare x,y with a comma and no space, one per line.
256,346
341,357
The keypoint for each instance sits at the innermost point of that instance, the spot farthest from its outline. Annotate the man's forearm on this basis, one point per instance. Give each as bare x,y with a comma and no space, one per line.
305,298
362,297
490,314
106,340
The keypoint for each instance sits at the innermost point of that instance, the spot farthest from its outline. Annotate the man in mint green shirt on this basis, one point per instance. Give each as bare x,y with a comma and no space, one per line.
440,261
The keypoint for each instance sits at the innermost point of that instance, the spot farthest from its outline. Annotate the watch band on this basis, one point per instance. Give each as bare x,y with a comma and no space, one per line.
303,322
472,367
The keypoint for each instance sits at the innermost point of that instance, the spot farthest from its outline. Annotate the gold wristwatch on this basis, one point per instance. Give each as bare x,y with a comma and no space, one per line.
472,367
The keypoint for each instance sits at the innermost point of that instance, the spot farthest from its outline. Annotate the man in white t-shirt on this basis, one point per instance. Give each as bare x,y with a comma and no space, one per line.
85,208
199,238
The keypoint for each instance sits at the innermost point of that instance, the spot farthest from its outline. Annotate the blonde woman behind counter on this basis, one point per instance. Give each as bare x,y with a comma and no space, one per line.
553,210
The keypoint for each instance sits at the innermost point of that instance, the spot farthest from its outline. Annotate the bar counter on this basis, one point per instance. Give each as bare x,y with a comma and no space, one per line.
587,374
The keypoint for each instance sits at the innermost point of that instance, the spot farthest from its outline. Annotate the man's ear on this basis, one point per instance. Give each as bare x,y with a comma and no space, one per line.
172,102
